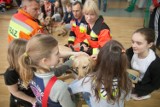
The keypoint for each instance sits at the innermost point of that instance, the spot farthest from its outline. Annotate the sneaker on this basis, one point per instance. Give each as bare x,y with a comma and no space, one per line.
141,98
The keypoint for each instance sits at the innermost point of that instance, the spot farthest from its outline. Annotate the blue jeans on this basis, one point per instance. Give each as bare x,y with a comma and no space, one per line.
104,5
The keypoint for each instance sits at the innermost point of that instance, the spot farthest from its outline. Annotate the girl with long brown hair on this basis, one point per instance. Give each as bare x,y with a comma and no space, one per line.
109,85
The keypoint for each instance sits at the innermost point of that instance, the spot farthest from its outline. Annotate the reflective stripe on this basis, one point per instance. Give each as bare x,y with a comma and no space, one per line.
86,41
95,51
71,38
83,28
103,96
103,93
16,26
115,92
26,26
12,32
93,34
74,24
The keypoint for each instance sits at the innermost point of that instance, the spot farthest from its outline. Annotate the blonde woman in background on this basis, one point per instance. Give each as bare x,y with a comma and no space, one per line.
97,32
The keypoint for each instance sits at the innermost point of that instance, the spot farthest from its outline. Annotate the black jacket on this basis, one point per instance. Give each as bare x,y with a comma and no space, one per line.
151,79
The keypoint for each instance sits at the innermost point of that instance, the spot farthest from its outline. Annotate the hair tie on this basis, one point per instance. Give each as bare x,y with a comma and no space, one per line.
25,54
123,51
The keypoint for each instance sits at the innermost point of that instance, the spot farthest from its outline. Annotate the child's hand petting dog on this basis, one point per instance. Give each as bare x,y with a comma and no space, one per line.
48,21
94,57
41,19
48,24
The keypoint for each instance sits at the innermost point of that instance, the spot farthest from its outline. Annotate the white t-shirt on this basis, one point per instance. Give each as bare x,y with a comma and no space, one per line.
142,65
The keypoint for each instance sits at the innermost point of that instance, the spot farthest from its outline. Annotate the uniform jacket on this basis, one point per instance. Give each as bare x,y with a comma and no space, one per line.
22,25
78,31
98,35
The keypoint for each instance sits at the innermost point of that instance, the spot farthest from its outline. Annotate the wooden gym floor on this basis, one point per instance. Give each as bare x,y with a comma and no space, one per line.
121,27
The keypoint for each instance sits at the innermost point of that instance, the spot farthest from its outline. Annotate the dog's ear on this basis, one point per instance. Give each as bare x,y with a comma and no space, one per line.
92,64
75,61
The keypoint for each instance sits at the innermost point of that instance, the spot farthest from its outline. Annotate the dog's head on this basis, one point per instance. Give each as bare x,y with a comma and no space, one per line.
48,20
83,65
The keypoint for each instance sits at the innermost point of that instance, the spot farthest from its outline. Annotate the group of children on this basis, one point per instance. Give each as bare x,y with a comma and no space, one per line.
33,65
58,10
109,84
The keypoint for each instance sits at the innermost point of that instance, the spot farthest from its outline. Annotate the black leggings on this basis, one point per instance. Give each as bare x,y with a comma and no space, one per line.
19,103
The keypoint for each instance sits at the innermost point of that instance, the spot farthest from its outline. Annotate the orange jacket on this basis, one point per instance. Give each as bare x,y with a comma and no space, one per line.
22,25
98,35
77,34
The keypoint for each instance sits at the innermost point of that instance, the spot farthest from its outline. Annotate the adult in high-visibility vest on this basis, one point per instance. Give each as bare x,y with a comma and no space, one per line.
98,32
24,24
78,27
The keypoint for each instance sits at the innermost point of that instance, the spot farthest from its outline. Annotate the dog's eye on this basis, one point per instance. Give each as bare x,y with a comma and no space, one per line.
84,67
76,68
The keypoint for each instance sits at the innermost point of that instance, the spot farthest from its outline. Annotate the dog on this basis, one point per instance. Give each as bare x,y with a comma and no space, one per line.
48,24
60,29
82,65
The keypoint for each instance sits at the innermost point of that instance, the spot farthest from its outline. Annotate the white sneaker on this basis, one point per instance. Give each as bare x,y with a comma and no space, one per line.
141,98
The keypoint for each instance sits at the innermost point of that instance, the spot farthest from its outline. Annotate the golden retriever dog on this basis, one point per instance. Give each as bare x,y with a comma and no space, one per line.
60,29
82,65
48,24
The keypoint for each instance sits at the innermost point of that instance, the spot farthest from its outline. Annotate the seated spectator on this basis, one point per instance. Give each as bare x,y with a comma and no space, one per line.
98,32
143,59
68,16
78,27
26,20
58,11
47,9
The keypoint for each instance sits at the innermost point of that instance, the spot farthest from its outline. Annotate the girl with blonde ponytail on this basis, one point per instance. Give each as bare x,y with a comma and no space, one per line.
41,55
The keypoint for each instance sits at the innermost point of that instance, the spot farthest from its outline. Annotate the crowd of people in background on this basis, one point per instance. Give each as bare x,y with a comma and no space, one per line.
33,55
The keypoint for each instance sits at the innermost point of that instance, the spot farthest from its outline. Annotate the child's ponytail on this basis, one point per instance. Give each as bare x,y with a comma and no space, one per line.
26,70
38,47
